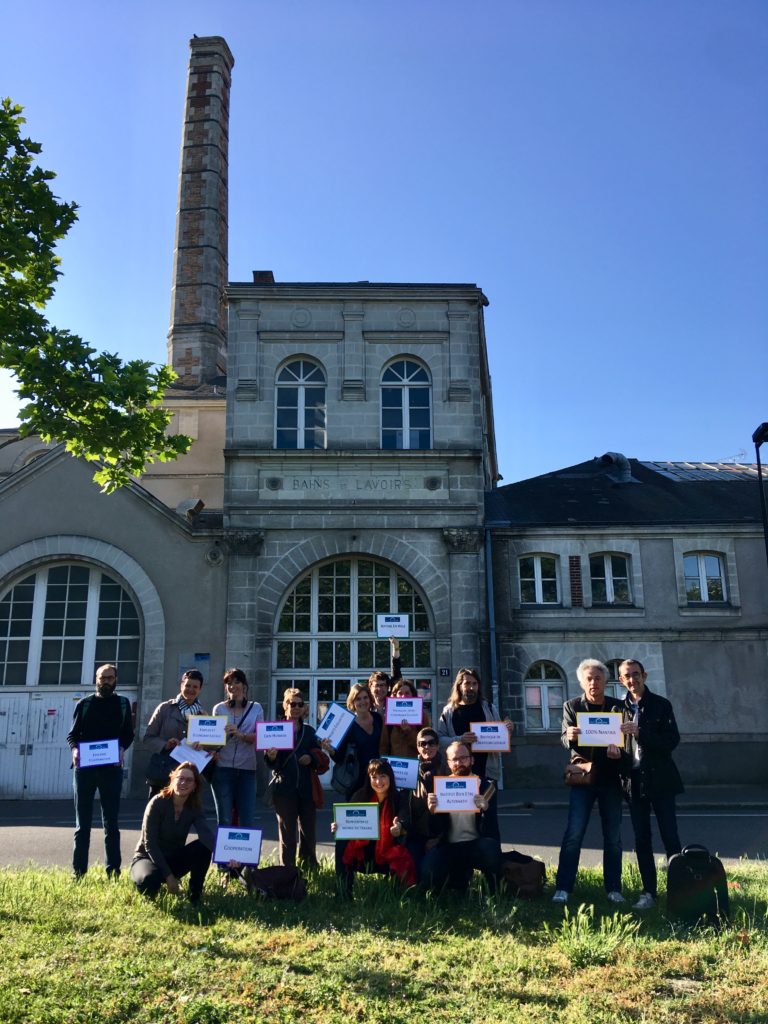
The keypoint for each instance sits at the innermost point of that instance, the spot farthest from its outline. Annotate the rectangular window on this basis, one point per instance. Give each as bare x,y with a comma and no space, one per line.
538,580
609,576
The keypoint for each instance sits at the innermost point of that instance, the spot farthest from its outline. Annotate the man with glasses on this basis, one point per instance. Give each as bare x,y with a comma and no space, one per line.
102,716
653,780
467,841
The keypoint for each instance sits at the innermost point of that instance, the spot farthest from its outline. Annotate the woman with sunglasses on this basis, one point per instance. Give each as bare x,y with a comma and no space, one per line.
163,854
292,784
388,854
400,740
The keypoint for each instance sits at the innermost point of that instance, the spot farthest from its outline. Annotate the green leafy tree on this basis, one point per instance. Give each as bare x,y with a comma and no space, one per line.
100,408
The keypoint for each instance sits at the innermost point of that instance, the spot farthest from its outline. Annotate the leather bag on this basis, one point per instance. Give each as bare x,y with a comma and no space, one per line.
574,776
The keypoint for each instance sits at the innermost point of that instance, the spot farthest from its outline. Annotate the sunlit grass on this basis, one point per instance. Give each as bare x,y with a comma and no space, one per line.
96,951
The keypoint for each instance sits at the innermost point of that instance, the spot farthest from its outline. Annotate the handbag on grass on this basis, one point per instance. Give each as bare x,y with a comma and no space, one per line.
576,776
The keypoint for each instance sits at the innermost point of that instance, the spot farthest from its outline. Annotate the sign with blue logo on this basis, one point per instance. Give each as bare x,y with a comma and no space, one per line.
492,737
456,794
392,625
240,844
600,730
356,821
99,753
334,725
405,770
274,735
210,730
405,709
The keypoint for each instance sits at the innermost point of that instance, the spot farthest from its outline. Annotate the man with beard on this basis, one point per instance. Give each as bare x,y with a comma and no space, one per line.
467,841
102,716
466,705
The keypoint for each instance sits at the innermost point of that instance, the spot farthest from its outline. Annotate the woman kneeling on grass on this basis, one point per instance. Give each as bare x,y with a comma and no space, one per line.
387,854
163,854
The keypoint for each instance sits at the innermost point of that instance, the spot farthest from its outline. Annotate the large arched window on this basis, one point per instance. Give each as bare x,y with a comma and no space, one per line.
300,406
406,406
326,635
58,624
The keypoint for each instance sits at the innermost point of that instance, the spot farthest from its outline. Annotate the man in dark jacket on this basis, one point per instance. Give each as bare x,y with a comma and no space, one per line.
653,781
102,716
468,841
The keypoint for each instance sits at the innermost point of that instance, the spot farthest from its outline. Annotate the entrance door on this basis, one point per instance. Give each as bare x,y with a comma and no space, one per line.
35,759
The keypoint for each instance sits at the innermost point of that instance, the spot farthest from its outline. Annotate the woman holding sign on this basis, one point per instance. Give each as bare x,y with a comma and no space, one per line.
400,740
292,784
361,741
387,854
234,782
168,726
163,854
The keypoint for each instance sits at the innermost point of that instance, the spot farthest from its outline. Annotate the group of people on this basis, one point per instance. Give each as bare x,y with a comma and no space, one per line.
417,843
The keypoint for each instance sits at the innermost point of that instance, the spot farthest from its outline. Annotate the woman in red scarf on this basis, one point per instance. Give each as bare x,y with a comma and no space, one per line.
387,854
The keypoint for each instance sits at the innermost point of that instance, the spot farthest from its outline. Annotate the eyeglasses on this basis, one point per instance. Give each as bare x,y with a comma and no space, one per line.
295,703
459,760
426,743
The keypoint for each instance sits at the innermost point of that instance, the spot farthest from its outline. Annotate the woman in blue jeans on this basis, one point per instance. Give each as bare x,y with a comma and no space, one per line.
234,781
603,766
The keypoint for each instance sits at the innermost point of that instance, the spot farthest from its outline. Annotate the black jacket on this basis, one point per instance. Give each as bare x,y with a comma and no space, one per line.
102,718
292,777
657,738
606,770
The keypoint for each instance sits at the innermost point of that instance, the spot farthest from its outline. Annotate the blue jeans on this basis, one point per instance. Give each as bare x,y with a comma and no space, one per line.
609,804
663,806
235,787
108,780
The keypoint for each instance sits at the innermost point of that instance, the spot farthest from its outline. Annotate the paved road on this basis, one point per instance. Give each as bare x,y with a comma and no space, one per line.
41,832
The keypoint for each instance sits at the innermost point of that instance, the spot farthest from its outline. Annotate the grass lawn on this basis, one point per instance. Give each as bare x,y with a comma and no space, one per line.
96,951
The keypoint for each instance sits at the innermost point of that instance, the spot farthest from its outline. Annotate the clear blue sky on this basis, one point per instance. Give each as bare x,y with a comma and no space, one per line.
598,168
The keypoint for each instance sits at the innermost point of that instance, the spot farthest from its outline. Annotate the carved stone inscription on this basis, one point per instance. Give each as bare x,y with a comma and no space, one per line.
354,486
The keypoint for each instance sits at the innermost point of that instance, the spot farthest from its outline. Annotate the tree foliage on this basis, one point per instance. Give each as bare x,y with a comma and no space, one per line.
100,408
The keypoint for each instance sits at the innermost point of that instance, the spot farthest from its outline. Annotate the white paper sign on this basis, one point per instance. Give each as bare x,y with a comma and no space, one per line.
391,625
336,721
456,793
406,771
492,737
356,821
405,709
277,735
235,843
599,728
98,753
183,752
210,730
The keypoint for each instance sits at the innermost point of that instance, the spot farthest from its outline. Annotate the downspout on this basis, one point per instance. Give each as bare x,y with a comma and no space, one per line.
491,626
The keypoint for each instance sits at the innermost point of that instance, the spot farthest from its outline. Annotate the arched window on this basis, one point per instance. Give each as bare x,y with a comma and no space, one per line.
326,636
544,689
58,624
406,406
300,406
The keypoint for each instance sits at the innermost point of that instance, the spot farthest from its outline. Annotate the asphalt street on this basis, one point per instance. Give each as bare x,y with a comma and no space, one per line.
40,832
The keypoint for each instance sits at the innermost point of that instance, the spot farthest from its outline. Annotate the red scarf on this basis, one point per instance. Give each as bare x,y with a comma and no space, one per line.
386,852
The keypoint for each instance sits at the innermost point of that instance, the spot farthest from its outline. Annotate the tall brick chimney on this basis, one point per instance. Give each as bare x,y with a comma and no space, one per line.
197,340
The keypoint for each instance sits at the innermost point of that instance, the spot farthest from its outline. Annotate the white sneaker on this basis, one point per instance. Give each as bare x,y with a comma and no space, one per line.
615,897
645,902
561,896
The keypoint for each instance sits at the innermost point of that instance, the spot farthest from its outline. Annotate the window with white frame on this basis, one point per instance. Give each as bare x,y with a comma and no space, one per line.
300,406
609,577
406,406
57,625
544,695
704,577
538,579
613,688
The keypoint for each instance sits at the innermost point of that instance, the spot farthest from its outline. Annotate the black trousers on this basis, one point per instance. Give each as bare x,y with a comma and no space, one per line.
193,859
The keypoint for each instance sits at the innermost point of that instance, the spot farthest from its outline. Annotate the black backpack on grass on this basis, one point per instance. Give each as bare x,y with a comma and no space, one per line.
697,889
